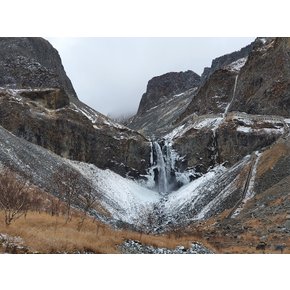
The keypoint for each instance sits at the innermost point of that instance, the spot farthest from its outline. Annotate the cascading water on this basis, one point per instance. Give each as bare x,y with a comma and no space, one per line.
233,97
214,144
161,166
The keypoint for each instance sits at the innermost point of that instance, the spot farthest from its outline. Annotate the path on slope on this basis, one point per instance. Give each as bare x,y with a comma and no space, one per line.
246,187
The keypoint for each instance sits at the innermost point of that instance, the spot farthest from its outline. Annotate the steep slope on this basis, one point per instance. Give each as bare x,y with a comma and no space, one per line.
262,222
263,85
225,60
73,130
163,87
119,199
32,62
166,97
38,103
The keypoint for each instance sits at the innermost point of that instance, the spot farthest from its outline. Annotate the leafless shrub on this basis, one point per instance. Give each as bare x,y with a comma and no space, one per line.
14,196
88,200
69,187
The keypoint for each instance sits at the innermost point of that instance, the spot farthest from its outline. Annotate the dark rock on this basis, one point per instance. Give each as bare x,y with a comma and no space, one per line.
160,88
222,61
263,85
71,134
213,96
159,120
32,62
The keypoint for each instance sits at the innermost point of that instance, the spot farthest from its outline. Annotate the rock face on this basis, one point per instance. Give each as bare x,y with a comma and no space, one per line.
225,60
32,62
165,99
161,88
39,104
46,118
263,84
214,95
159,120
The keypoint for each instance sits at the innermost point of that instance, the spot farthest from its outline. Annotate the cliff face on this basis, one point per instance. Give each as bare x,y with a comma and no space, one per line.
161,88
32,62
165,99
225,60
39,104
263,84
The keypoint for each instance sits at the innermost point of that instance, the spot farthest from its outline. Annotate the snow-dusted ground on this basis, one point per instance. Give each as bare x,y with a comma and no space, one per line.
192,191
128,201
250,190
125,199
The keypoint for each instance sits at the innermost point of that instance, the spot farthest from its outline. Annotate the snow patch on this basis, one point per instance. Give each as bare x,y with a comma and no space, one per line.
237,65
125,199
248,130
190,192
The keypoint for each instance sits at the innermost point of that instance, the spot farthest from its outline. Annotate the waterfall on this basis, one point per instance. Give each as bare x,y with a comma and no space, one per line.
233,97
161,166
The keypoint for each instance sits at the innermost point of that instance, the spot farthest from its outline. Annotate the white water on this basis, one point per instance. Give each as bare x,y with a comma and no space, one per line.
233,97
162,177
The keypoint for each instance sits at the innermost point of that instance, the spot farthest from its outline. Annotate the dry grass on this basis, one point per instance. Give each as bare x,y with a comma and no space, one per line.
270,157
43,233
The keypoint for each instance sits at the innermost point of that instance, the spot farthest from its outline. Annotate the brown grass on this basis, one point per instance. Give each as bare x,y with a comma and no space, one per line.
43,233
270,157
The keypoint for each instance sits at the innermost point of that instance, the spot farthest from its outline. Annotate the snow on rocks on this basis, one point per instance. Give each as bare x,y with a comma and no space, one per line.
192,191
261,130
250,193
12,244
199,122
135,247
237,65
95,117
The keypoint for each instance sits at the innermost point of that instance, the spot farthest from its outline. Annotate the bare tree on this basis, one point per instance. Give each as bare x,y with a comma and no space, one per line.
88,199
69,187
14,196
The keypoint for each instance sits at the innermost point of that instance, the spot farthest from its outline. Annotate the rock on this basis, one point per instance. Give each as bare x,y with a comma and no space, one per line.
213,96
52,99
135,247
39,104
263,84
225,60
32,62
161,88
159,120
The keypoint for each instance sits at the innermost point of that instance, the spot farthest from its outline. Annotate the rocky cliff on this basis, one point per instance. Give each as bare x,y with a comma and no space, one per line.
39,104
161,88
32,62
165,99
263,83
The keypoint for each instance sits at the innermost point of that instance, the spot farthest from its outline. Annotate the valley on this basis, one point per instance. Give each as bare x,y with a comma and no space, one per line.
202,167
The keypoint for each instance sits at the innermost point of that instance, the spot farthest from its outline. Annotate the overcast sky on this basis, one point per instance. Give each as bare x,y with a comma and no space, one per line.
111,74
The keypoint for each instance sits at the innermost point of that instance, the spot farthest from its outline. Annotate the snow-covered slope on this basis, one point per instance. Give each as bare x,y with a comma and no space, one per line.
125,199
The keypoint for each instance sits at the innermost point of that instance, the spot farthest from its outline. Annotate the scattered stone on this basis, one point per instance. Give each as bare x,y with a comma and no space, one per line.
135,247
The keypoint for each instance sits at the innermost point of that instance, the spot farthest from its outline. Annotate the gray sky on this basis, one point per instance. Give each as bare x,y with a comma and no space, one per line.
111,74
